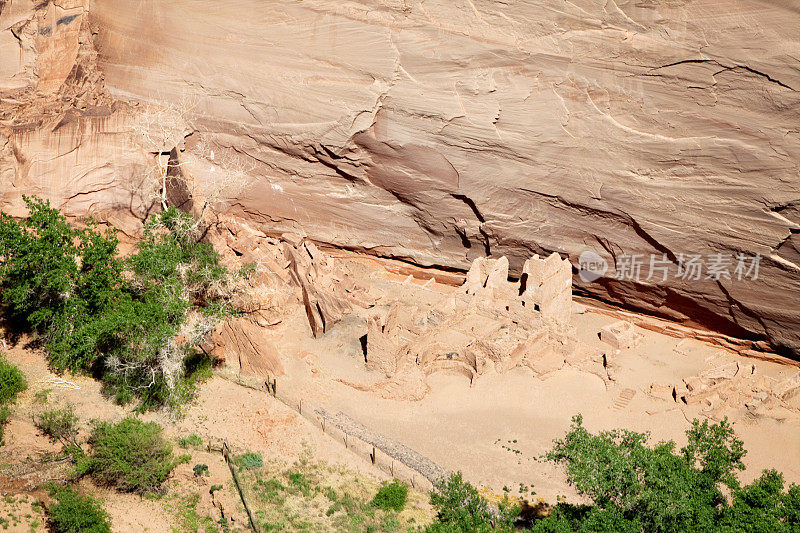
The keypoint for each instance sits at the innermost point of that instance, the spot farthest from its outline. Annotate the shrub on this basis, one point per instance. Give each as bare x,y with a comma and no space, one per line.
391,496
74,513
5,413
12,381
459,508
120,319
60,425
57,424
200,470
250,461
130,455
192,440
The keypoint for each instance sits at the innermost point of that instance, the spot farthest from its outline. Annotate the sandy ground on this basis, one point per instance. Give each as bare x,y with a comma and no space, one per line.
223,411
495,429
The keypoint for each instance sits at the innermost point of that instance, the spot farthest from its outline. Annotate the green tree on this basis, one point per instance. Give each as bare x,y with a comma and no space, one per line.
122,320
460,508
635,487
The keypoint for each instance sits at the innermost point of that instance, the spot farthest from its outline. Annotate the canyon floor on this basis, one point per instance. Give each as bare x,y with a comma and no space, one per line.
493,427
247,420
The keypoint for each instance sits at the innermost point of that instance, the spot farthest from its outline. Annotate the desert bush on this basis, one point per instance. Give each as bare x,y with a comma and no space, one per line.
193,440
74,513
391,496
250,461
5,414
126,321
12,381
60,425
200,470
131,455
459,508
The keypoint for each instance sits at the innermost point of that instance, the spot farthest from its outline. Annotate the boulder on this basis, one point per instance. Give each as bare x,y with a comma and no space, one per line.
328,293
620,335
244,340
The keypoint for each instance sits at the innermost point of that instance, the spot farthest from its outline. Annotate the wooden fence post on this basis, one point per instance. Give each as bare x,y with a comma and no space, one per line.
226,455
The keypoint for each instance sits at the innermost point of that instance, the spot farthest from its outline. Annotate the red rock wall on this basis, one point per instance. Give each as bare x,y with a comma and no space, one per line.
442,130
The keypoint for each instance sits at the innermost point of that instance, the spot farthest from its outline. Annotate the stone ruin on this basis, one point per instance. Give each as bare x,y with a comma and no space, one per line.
734,390
620,335
490,325
328,293
287,269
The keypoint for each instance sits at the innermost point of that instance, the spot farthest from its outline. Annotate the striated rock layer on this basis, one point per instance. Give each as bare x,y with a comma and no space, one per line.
444,130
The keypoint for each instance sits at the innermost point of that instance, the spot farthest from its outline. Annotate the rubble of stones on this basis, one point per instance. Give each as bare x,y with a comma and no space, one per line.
735,390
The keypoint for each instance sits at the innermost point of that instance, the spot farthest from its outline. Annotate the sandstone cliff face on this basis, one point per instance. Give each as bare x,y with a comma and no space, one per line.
61,135
444,130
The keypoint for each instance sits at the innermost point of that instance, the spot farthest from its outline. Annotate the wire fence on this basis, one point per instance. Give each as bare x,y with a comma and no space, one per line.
388,455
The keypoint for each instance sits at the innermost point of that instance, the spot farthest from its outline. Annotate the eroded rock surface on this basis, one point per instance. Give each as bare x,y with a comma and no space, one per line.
442,131
328,292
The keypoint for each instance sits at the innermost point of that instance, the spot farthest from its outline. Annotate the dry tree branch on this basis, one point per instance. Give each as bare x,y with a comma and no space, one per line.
159,131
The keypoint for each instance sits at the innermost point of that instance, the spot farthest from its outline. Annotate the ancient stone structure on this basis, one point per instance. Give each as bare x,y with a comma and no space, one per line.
736,390
490,325
620,335
547,284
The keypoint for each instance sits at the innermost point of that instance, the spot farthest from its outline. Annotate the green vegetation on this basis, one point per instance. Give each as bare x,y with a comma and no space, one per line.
250,461
310,496
12,382
130,455
74,513
19,513
5,414
634,487
459,507
124,321
637,488
192,440
61,425
190,519
200,470
391,496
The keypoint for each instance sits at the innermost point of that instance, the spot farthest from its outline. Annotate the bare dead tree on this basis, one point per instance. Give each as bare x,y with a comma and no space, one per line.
161,131
225,175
